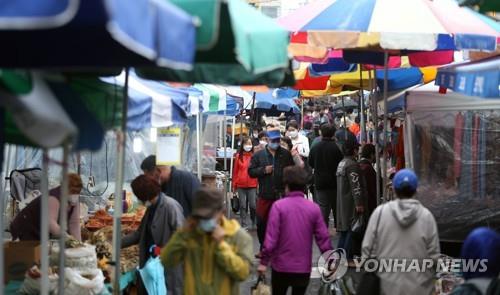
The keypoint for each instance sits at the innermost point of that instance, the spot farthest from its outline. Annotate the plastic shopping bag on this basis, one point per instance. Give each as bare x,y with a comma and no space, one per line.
88,283
261,288
153,277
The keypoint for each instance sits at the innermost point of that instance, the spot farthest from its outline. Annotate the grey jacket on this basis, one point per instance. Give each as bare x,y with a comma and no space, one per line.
351,192
167,219
407,230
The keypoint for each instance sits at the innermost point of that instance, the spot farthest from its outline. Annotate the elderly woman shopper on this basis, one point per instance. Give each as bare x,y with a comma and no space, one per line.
26,225
163,217
293,223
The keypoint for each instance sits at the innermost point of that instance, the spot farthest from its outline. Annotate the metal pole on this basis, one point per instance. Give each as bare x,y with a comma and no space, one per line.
121,138
198,146
63,216
232,159
384,160
2,210
225,140
44,227
302,113
345,122
362,106
376,143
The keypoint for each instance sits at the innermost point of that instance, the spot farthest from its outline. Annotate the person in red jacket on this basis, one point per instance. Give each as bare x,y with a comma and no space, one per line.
243,183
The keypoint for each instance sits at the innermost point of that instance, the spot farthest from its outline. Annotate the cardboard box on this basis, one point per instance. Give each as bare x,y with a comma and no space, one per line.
19,257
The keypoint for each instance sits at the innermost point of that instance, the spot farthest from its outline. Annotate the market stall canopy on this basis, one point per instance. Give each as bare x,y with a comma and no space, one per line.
154,104
236,45
269,100
47,110
428,98
345,104
95,34
391,25
223,100
479,78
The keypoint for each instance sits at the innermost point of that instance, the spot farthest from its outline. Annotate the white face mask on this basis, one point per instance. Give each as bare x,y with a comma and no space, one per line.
263,142
73,199
247,148
293,134
147,204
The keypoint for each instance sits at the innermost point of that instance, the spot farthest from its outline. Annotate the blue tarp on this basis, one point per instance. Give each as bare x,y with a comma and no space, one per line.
399,78
481,79
267,101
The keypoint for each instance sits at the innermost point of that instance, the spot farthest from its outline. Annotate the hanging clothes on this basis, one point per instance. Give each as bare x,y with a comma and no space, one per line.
426,141
482,157
475,149
400,149
457,144
465,185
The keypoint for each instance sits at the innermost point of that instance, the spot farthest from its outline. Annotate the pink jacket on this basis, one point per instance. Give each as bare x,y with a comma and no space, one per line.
293,222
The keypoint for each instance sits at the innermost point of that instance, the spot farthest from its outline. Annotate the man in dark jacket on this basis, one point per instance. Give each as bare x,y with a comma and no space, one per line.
369,176
351,196
324,158
267,165
177,184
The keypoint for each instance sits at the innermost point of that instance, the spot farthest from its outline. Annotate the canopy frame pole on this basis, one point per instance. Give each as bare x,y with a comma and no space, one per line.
232,160
198,146
384,156
225,139
44,227
121,136
63,216
345,121
302,113
3,186
376,137
362,106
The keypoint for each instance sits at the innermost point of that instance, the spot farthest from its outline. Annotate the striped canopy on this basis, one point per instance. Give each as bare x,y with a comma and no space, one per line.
391,25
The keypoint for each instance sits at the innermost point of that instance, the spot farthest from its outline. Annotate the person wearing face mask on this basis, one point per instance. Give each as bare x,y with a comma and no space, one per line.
216,252
162,218
175,183
299,141
293,223
243,183
26,225
267,166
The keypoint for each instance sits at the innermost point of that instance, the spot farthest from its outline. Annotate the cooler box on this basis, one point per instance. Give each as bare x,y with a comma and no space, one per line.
19,257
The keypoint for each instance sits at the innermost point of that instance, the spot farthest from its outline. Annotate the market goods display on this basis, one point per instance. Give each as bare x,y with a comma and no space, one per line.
102,219
83,259
83,283
102,239
32,281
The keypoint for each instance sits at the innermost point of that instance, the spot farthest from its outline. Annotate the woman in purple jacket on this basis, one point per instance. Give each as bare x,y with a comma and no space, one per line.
293,222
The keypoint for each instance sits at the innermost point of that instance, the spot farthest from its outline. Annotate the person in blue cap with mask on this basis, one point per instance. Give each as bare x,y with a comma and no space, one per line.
481,244
403,229
267,166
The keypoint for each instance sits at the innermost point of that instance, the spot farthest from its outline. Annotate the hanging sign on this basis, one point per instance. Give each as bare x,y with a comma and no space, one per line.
168,146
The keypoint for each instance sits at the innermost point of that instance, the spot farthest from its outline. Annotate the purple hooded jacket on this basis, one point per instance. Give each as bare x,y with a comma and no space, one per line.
293,222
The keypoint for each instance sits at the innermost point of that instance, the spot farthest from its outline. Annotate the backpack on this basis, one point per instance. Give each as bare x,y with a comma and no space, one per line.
25,186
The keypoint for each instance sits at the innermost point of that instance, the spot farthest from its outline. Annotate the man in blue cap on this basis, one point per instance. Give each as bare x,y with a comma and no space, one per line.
403,230
267,165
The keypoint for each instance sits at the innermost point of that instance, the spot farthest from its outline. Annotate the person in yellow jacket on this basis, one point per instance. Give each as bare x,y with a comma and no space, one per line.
215,251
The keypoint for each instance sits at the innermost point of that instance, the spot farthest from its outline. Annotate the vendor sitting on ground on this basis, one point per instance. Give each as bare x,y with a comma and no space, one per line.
26,225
